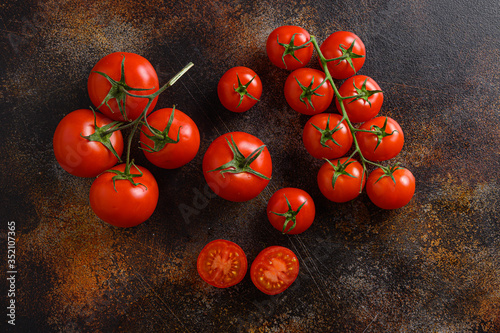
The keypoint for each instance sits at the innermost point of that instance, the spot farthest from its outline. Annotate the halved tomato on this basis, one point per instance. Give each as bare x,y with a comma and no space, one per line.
222,263
274,269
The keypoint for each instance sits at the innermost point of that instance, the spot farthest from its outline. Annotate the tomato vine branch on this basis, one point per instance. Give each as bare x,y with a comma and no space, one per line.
328,76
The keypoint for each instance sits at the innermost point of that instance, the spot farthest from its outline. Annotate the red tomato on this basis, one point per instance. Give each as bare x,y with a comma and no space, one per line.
78,155
129,205
349,49
385,141
139,74
323,139
239,89
305,93
288,54
390,192
222,263
341,180
171,154
291,210
274,270
368,102
237,166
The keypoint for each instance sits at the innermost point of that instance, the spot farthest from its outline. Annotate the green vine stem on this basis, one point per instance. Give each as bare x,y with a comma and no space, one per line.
353,129
142,119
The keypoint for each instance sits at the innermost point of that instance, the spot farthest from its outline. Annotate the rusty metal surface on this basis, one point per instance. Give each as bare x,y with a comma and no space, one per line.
432,266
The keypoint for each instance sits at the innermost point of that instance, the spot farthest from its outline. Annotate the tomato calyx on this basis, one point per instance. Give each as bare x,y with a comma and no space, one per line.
380,132
389,172
290,48
126,175
362,93
240,163
290,215
160,138
347,55
339,169
103,134
308,92
118,90
242,90
327,133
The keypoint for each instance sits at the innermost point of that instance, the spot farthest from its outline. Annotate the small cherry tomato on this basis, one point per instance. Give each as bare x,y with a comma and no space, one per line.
307,92
222,263
139,78
237,166
368,100
349,51
176,140
239,89
391,188
121,203
79,155
384,141
325,137
274,270
341,180
291,210
286,47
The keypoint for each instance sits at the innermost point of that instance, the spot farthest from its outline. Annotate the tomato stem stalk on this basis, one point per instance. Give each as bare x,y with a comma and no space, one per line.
324,64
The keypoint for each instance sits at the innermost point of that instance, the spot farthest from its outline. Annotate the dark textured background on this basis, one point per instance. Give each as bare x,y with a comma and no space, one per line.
432,266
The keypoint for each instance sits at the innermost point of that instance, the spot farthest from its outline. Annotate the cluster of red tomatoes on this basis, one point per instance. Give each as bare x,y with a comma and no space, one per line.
237,166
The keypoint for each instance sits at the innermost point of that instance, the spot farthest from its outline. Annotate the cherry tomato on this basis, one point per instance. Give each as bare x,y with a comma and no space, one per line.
389,192
341,180
237,166
128,205
239,89
291,210
349,48
325,137
385,141
368,102
222,263
76,154
274,270
288,54
173,147
138,74
307,92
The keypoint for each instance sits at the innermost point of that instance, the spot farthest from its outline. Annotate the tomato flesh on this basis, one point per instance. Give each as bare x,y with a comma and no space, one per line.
274,270
222,263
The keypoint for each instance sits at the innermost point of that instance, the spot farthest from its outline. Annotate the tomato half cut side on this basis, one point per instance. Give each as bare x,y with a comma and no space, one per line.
222,263
274,270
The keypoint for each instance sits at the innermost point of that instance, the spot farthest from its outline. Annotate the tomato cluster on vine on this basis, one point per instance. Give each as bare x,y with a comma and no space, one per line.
124,88
237,166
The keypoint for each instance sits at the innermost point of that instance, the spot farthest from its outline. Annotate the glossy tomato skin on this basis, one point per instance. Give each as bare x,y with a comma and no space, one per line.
330,48
79,156
241,186
284,35
274,270
296,197
173,155
359,110
312,137
320,101
222,263
386,194
390,145
129,205
229,81
139,73
346,188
